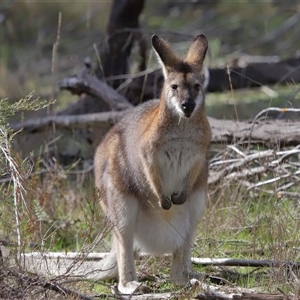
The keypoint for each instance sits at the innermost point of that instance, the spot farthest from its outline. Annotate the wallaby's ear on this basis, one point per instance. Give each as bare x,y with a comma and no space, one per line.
164,53
197,51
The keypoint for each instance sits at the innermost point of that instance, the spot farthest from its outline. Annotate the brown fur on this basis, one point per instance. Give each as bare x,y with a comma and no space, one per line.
151,170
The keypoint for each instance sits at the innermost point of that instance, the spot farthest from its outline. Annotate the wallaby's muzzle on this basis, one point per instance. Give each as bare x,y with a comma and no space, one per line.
188,107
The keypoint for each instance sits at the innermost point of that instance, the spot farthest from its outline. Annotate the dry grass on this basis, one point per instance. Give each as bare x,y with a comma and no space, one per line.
260,222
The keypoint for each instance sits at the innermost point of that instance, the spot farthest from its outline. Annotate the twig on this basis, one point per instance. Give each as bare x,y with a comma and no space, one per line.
273,180
243,262
18,188
54,58
237,150
282,110
132,76
244,169
47,285
239,164
246,172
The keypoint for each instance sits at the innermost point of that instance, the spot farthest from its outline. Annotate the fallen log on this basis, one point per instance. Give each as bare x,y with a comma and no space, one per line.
103,119
252,75
273,133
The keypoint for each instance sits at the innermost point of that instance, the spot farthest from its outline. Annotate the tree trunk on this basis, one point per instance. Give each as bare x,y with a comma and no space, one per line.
122,30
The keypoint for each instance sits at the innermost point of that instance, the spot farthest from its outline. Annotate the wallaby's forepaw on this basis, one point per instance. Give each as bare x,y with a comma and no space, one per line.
179,198
165,202
133,287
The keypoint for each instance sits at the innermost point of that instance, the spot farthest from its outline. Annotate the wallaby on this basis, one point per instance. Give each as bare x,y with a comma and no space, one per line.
151,171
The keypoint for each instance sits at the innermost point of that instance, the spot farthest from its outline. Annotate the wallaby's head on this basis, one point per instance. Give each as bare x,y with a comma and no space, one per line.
184,78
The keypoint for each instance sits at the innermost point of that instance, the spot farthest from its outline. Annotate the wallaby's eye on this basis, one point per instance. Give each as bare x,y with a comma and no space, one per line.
197,87
174,87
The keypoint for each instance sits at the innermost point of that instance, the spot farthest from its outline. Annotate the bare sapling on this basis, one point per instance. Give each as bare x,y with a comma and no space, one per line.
151,171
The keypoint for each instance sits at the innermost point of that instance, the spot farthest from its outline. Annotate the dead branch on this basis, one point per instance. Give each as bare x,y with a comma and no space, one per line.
232,262
281,110
211,295
104,119
234,165
91,85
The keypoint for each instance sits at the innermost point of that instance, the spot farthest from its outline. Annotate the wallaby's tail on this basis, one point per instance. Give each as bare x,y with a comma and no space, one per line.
107,268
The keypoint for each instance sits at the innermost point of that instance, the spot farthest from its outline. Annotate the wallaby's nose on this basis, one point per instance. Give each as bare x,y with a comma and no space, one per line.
188,107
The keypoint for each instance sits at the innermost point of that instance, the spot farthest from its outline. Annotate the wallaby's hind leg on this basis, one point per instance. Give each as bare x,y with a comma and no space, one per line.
181,264
181,269
124,221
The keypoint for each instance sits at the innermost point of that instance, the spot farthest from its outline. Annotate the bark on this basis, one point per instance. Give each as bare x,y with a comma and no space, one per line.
271,132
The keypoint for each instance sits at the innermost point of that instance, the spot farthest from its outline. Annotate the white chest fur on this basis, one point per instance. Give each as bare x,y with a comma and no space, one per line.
175,160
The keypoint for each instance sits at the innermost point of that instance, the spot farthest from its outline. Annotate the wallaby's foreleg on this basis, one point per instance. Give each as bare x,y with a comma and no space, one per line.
152,172
180,198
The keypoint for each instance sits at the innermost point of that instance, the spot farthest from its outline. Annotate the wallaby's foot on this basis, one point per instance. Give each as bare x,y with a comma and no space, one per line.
133,287
197,278
193,278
